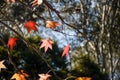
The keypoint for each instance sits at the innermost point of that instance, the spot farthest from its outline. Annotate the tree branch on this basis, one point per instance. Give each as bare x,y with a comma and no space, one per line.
33,47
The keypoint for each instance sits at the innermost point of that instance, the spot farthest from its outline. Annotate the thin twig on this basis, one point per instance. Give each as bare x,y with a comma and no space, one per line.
50,7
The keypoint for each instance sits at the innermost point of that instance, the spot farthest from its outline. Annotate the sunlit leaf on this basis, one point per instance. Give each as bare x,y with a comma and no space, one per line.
66,50
2,66
44,76
36,2
20,75
83,78
10,1
52,24
46,44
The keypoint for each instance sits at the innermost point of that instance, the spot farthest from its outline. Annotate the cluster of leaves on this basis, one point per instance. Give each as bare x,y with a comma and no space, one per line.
30,65
31,25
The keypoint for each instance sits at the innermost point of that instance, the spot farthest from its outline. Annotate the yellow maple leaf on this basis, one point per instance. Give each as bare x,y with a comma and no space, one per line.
20,75
83,78
2,66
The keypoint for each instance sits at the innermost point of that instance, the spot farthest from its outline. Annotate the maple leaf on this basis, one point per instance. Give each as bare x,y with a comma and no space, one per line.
2,66
12,42
83,78
66,50
44,76
10,1
52,24
21,75
36,2
46,44
30,25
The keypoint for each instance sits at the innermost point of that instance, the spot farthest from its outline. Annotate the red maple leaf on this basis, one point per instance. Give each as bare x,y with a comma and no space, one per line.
30,25
12,42
66,50
47,44
44,76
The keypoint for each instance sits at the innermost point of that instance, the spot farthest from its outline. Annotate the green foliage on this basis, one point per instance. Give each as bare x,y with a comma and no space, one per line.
87,68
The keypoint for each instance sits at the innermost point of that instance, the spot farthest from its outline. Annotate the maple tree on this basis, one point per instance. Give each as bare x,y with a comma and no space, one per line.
2,66
80,18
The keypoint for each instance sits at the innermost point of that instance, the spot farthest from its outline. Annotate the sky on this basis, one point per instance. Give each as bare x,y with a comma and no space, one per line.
70,36
62,39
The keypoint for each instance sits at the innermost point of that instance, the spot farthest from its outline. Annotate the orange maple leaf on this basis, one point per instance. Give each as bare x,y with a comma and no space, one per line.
66,50
52,24
21,75
44,76
83,78
30,25
36,2
47,44
10,1
12,42
2,66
